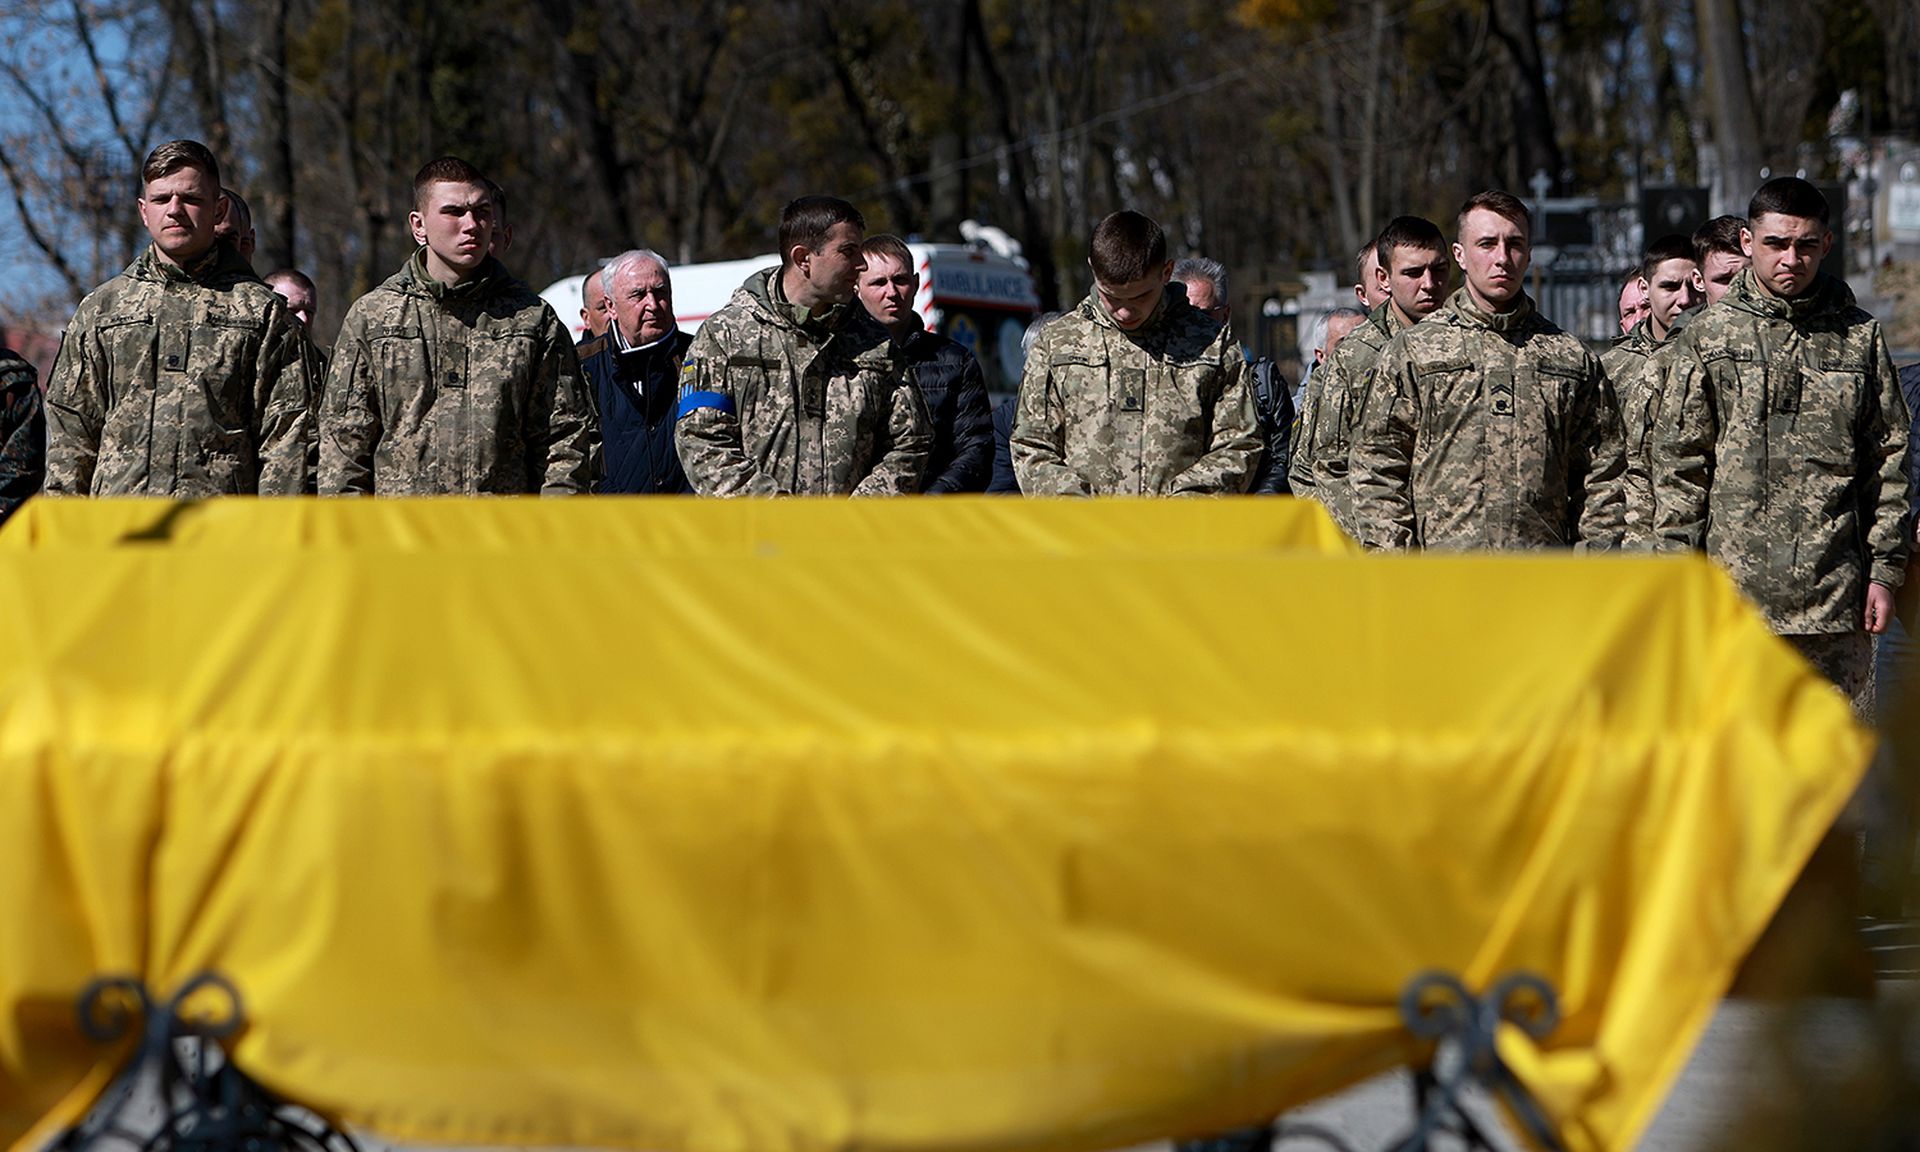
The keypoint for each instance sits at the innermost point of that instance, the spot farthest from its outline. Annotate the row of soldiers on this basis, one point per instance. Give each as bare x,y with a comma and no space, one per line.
1768,429
1753,412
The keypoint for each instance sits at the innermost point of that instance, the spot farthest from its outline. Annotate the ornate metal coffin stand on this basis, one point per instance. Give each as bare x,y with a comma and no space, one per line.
203,1103
1436,1006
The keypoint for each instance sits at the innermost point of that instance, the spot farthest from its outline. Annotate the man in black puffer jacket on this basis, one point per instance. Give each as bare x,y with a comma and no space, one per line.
634,371
948,375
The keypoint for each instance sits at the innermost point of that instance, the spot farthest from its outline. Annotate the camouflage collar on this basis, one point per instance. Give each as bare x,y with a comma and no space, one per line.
473,287
1639,337
1824,295
823,320
1384,315
220,263
1462,305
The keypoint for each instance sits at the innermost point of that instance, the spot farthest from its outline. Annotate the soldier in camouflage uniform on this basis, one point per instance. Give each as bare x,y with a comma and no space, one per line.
183,375
792,388
1781,446
1635,364
1415,255
1205,282
23,432
1486,426
452,377
1135,392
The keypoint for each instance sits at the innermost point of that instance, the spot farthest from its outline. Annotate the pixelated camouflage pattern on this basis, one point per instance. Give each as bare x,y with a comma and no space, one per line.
820,406
1636,385
1330,411
1163,410
1846,659
23,432
180,382
1781,449
1488,431
471,389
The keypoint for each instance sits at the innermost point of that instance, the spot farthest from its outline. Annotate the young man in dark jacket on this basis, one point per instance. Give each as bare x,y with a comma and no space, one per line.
634,370
948,375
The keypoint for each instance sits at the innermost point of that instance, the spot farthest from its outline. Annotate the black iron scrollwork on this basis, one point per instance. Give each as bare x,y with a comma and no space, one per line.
1464,1028
180,1077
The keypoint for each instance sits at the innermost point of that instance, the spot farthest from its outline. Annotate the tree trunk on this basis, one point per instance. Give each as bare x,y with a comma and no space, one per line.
1515,23
274,197
1736,129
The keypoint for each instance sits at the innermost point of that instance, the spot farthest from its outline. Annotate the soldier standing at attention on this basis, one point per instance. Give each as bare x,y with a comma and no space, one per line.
791,388
183,376
1781,447
452,377
1135,392
1415,255
1486,426
1634,366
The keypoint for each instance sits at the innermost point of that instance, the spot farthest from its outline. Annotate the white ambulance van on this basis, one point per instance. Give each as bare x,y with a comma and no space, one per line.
980,297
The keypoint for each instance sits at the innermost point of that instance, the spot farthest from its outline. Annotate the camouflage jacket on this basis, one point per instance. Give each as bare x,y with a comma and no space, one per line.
183,383
471,389
23,432
1781,448
1330,412
771,405
1484,431
1632,366
1163,410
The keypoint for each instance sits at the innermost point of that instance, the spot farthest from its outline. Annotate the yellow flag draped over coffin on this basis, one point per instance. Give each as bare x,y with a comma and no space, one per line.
871,840
658,526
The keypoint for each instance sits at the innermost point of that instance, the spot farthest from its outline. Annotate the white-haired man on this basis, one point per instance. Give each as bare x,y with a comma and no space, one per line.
634,372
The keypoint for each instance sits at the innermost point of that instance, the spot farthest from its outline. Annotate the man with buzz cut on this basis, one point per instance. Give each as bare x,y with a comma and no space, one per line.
183,376
1486,426
452,377
791,388
1135,392
1671,281
1717,250
1414,254
1781,448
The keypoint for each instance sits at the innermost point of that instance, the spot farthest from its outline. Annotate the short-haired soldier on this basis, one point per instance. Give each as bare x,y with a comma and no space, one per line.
791,388
1486,426
452,377
1719,252
1135,392
183,376
1781,447
1634,365
1414,254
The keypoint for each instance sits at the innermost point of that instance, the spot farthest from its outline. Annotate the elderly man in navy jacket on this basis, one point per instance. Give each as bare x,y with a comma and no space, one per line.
634,370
